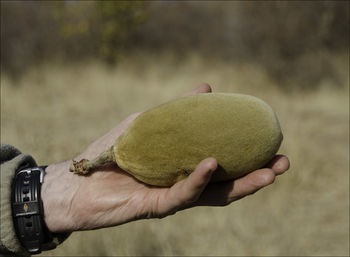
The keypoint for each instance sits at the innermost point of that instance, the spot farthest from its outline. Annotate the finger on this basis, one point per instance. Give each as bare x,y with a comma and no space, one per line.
279,164
251,183
130,119
203,88
188,190
220,194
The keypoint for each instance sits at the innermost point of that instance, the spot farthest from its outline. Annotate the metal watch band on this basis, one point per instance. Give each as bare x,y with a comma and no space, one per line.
27,209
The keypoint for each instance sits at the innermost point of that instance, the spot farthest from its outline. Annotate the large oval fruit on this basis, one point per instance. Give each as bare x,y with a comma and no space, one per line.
164,145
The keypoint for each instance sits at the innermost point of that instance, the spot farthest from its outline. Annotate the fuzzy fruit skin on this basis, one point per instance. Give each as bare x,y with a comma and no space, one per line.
163,145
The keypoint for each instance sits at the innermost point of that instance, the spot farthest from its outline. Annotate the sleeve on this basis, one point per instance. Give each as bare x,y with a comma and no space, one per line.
11,159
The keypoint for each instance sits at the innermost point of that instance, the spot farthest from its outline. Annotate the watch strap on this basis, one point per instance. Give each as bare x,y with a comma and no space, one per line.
27,209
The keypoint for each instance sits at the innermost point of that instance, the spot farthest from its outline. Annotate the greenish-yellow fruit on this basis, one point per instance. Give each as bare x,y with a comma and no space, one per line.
164,145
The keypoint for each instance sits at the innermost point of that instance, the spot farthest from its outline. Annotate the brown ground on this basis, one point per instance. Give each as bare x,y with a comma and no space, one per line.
54,112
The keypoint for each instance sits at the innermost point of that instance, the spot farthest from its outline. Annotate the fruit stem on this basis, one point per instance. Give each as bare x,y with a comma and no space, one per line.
85,166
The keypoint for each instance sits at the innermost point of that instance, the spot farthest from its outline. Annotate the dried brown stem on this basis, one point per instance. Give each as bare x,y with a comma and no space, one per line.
85,166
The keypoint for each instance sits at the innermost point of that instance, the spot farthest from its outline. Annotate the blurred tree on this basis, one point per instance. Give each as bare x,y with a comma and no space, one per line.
26,34
294,40
102,28
115,24
291,40
34,32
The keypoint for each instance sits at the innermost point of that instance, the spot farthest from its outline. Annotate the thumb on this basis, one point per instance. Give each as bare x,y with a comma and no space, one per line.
187,191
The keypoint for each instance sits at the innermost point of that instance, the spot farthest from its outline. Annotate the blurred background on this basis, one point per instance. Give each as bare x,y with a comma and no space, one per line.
72,70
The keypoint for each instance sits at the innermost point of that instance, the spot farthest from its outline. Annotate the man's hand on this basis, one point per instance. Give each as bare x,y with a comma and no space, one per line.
111,197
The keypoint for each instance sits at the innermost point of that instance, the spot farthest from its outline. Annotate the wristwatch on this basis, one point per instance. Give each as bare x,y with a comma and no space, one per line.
27,209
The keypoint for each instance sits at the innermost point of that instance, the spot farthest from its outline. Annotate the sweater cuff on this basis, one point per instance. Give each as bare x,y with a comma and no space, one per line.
9,164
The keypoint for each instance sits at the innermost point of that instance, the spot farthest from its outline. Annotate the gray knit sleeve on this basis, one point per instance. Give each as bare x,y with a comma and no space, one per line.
10,160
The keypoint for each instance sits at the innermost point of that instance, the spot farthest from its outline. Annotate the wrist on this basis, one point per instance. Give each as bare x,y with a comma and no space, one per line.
57,192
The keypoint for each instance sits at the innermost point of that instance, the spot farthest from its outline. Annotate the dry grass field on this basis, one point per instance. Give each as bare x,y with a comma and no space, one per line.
55,111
